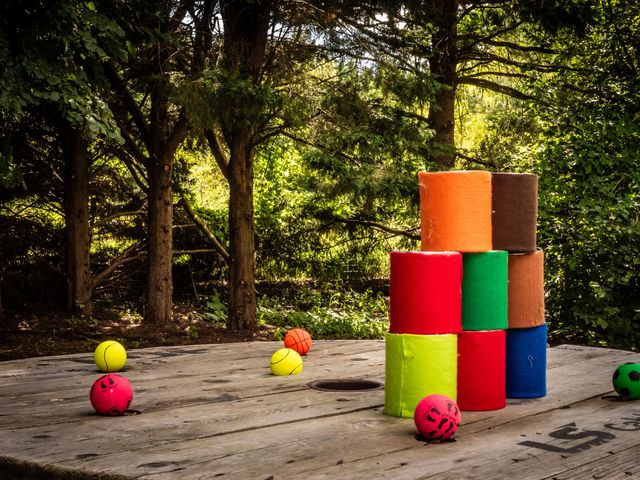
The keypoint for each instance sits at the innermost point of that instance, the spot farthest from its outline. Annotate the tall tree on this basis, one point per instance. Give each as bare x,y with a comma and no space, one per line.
267,49
242,103
169,40
76,212
497,46
443,65
246,25
47,52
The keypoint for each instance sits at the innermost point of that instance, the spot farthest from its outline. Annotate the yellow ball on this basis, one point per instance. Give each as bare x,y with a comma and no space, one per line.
110,356
286,362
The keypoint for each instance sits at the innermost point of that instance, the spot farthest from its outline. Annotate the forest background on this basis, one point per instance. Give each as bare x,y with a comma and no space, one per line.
214,170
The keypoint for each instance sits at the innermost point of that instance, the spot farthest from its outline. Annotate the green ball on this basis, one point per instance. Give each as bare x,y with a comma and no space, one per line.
626,381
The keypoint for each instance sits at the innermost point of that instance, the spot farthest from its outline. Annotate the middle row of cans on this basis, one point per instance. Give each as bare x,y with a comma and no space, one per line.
430,295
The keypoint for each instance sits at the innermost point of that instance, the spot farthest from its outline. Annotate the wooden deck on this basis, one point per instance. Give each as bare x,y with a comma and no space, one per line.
216,412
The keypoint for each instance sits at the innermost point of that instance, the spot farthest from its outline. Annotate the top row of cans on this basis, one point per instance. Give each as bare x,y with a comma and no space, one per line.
478,211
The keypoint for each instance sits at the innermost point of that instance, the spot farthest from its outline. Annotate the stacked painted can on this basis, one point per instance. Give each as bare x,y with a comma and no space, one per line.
425,318
515,205
456,214
462,309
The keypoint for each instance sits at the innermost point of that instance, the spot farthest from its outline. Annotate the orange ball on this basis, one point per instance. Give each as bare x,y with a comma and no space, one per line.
299,340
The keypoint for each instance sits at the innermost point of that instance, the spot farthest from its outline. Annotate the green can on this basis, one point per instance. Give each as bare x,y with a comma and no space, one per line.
485,290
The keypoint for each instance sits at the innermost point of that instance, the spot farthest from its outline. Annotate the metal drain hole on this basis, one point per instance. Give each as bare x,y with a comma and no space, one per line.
344,385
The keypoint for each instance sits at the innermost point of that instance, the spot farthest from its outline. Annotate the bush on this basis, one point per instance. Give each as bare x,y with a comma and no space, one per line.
327,313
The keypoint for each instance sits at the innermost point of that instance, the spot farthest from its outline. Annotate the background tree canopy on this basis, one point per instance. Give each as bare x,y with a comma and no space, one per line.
223,151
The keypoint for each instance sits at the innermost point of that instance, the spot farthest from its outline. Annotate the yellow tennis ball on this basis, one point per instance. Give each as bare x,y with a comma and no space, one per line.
286,362
110,356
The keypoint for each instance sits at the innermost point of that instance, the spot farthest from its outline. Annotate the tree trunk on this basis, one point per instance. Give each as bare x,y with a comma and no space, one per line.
443,68
1,307
77,232
242,293
160,238
161,129
245,38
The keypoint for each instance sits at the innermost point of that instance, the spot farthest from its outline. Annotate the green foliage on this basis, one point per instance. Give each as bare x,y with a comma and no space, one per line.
82,322
317,199
281,96
48,54
228,99
340,128
10,174
327,313
558,15
581,137
590,199
590,187
496,129
215,310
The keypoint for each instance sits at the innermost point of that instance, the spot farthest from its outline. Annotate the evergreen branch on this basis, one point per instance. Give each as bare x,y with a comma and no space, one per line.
318,146
379,226
474,5
132,162
138,155
120,87
202,226
494,73
495,87
375,38
407,114
520,48
477,161
137,176
120,259
218,154
471,67
491,58
401,60
108,218
477,40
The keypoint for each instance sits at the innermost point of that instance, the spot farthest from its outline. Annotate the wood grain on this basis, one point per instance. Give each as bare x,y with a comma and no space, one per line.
215,411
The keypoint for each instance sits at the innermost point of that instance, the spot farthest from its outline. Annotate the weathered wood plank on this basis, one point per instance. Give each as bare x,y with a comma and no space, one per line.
203,422
43,408
384,447
623,464
281,428
157,388
553,442
166,362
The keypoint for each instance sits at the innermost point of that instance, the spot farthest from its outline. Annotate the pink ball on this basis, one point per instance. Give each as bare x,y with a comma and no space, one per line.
111,394
437,417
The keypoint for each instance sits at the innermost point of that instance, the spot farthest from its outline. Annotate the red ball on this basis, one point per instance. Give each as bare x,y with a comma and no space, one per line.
111,394
437,417
299,340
